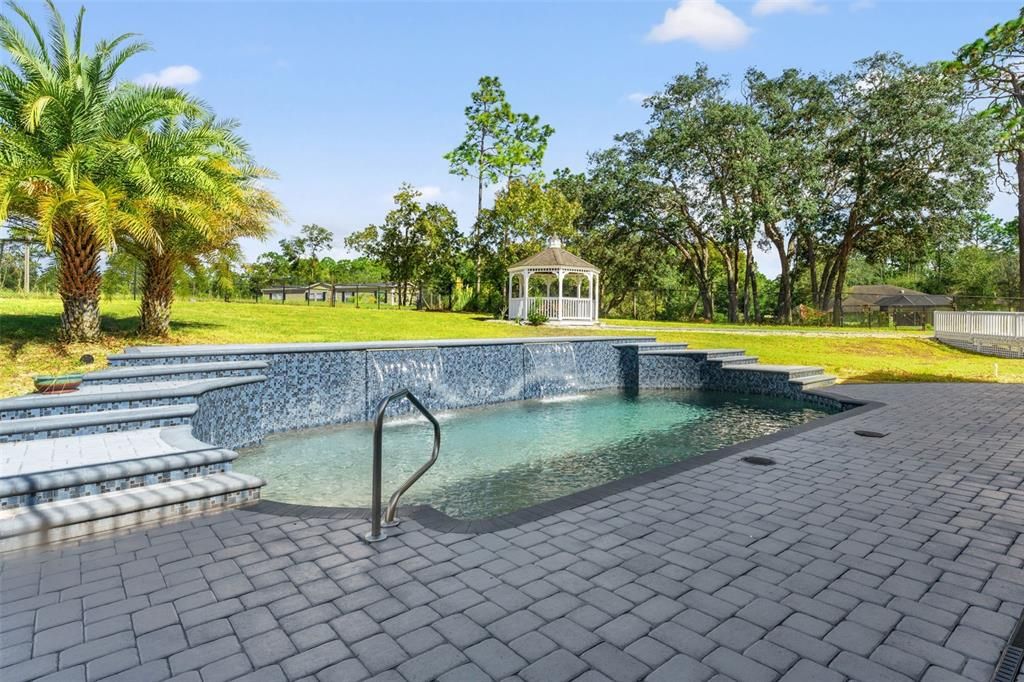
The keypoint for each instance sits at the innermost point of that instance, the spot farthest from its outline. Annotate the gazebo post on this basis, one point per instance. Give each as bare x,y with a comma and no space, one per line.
597,296
561,275
510,276
590,292
525,312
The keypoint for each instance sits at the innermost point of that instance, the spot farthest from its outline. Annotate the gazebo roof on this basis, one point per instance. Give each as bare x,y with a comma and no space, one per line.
554,257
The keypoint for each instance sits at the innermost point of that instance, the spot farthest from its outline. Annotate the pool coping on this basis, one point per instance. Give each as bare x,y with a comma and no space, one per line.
210,350
436,520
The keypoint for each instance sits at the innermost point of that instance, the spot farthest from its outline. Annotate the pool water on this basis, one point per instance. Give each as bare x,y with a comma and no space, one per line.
504,457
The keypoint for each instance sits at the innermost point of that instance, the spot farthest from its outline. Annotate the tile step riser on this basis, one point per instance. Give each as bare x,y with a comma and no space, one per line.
112,485
98,406
94,428
189,376
172,512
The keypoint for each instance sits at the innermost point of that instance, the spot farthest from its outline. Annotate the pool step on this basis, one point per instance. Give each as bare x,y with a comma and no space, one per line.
732,361
701,354
70,519
654,347
181,371
104,397
790,371
726,369
797,378
813,381
106,421
38,471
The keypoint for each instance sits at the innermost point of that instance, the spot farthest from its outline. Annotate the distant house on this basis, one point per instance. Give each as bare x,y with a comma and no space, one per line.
320,292
904,306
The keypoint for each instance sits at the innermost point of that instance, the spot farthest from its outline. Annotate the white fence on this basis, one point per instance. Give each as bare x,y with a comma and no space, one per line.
572,308
984,332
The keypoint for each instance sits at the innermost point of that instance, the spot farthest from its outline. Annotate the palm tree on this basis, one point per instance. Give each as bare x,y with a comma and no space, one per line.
65,123
203,194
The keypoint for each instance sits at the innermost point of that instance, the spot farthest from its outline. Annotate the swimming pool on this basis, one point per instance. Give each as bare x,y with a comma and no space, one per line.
505,457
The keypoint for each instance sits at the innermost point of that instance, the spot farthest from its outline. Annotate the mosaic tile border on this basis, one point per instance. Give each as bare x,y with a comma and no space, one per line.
983,348
112,485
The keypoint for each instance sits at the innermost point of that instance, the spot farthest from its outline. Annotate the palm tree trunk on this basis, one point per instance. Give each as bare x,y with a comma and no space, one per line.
78,280
157,294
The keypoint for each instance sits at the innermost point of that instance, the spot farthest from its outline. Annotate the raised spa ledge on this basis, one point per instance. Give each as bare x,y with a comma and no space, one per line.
139,352
118,393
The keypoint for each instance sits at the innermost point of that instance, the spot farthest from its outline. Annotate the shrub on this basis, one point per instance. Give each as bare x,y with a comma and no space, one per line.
536,316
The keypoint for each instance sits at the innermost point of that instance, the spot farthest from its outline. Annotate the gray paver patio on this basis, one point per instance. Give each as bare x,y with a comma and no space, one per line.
891,558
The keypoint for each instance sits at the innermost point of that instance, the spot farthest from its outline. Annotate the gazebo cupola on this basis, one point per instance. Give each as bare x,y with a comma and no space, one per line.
563,285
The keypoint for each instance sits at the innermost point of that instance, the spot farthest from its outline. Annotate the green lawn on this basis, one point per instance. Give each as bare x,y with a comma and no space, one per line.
801,329
27,327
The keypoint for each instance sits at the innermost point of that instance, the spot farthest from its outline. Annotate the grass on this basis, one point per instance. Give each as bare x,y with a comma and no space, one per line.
774,328
28,326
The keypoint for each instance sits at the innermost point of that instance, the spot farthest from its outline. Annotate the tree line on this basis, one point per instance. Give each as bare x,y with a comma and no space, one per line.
882,169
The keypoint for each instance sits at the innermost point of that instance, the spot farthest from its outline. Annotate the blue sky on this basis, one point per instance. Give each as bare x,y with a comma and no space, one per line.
346,100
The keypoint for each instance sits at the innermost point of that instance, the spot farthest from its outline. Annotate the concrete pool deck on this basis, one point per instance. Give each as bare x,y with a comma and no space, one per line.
895,558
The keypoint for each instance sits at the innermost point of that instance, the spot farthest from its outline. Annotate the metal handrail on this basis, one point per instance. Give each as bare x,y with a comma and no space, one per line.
376,534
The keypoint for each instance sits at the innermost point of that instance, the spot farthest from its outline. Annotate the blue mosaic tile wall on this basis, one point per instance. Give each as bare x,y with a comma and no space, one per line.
480,375
306,389
230,417
667,371
315,388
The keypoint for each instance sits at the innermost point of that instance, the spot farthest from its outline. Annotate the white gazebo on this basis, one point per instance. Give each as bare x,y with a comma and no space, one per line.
563,285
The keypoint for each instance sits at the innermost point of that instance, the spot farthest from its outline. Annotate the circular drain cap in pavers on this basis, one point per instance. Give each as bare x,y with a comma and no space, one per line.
871,434
759,461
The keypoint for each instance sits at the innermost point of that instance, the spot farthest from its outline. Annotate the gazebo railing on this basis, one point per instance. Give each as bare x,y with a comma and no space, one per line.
572,308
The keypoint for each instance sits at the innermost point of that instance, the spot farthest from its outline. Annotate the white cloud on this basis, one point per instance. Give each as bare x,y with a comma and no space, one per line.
171,77
638,97
429,192
704,22
765,7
